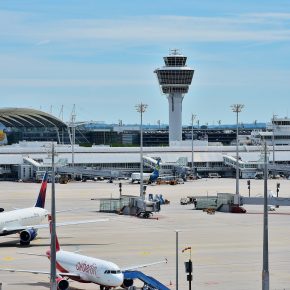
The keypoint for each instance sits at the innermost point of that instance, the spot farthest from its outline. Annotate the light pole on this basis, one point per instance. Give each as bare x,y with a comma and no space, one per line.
188,267
73,138
265,271
52,225
141,108
237,108
176,249
273,138
192,120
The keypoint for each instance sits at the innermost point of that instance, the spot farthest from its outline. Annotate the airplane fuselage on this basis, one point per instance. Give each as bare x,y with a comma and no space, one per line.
21,218
90,270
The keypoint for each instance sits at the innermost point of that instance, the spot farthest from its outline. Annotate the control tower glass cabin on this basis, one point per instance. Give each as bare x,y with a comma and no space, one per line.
174,79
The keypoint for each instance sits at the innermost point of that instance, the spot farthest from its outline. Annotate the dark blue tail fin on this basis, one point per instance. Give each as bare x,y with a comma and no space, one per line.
42,193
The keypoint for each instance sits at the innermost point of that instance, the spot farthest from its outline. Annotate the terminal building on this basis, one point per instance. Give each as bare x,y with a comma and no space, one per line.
214,148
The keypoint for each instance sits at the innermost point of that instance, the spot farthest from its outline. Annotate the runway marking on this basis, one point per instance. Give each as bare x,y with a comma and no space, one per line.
270,213
145,253
211,283
8,258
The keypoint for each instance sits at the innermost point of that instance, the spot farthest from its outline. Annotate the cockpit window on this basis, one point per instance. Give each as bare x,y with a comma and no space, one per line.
112,272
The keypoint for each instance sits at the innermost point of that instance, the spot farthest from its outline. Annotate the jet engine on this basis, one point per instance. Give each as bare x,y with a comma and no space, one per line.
27,236
62,284
127,283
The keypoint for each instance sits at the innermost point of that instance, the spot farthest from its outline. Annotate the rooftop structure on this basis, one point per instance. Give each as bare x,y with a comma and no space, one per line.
25,123
174,79
23,117
277,132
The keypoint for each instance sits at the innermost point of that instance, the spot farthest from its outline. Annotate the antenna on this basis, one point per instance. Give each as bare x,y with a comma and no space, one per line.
174,51
73,135
61,113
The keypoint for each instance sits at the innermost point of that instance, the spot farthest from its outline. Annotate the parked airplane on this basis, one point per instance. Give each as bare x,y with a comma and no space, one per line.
147,177
84,269
27,221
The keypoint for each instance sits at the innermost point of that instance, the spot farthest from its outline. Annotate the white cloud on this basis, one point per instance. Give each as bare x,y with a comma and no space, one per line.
150,29
43,42
46,83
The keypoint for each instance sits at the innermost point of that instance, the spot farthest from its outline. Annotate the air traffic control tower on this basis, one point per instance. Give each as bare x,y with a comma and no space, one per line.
174,79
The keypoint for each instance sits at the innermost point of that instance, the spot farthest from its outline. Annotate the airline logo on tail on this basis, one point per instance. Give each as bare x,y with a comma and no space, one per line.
155,173
42,193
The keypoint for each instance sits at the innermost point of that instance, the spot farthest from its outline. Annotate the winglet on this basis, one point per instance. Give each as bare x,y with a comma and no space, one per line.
42,193
57,246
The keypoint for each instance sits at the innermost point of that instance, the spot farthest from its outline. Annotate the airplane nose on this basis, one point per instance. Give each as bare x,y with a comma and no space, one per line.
119,279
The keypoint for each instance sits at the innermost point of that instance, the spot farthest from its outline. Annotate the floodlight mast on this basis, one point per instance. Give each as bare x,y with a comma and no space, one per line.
237,108
53,284
265,271
141,108
273,137
192,120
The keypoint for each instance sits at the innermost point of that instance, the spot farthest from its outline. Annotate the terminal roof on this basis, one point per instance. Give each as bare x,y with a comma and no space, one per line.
23,117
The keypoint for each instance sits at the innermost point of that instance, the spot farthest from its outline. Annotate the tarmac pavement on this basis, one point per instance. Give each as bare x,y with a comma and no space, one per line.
226,248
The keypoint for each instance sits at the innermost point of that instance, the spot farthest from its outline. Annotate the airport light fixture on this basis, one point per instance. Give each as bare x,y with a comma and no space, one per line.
141,108
265,271
192,120
53,283
176,256
73,137
237,108
188,267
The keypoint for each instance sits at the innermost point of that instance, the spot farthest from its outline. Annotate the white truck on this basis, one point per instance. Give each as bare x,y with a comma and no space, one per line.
136,177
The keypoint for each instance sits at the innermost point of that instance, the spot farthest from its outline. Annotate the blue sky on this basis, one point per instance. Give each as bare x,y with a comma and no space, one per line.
100,55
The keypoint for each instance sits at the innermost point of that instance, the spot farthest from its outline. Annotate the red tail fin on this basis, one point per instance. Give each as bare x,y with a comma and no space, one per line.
57,246
42,193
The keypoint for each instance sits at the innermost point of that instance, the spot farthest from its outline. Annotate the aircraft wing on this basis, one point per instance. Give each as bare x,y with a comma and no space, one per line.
73,223
25,271
143,266
69,275
69,209
14,230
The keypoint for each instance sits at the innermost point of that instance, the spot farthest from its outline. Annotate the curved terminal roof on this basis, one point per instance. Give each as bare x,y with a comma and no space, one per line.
23,117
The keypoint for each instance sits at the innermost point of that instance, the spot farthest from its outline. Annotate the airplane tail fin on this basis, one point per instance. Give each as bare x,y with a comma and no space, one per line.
42,193
155,174
57,246
157,168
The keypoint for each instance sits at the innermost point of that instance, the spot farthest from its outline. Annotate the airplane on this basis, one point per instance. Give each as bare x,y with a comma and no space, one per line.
84,269
147,177
27,221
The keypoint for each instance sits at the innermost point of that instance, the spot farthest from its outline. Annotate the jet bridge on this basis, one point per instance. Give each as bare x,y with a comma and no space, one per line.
86,173
247,169
276,201
225,202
